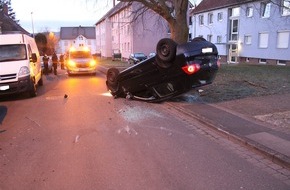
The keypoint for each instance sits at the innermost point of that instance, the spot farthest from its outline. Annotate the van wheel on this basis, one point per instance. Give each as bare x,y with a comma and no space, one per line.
32,89
166,52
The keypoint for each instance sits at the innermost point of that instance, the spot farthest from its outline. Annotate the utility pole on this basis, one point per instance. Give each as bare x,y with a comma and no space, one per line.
32,24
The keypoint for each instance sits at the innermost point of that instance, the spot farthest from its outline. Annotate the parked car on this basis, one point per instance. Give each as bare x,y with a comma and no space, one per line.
116,55
136,58
151,54
174,70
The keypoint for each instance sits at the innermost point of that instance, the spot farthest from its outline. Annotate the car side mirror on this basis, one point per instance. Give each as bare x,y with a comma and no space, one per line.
33,58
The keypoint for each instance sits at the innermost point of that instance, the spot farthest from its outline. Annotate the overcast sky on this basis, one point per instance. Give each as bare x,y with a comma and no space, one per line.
50,15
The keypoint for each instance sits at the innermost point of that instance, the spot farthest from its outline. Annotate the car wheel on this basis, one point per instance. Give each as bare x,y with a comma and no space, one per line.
166,52
112,82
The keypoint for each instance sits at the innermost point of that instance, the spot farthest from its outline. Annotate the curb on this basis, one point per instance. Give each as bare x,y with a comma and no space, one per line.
271,154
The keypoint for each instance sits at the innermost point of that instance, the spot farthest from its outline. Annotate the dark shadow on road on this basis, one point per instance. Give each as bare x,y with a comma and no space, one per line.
3,113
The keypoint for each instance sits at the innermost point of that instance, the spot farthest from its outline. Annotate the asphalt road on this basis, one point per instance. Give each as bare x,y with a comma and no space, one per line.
91,141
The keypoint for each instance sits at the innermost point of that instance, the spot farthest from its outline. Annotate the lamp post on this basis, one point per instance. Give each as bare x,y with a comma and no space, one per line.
32,24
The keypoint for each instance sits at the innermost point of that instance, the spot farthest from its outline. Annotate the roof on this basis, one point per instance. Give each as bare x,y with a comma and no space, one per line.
120,6
209,5
9,25
69,33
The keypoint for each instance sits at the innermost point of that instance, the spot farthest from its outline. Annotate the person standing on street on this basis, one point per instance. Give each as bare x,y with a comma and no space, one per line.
45,60
61,61
54,63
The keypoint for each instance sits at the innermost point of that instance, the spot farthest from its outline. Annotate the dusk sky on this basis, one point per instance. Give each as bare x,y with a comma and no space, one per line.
53,14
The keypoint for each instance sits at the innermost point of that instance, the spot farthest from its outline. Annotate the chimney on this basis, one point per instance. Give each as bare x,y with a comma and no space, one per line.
5,9
114,3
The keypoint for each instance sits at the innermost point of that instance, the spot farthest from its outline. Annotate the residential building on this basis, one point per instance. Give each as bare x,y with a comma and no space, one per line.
252,31
77,37
123,28
8,25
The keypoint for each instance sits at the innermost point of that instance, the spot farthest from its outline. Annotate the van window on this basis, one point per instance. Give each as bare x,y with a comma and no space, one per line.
12,52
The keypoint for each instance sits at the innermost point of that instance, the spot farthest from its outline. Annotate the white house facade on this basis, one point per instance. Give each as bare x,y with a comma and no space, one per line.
77,37
246,31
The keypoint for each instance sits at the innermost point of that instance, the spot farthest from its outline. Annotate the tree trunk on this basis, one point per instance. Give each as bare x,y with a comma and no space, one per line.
179,28
179,31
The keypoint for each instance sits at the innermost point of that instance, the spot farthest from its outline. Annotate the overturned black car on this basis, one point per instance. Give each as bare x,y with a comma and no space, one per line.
174,70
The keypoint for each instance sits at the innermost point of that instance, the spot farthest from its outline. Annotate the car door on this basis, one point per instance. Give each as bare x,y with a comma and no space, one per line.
35,68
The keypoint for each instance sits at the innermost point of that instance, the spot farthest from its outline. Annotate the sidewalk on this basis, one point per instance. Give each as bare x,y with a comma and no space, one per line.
262,123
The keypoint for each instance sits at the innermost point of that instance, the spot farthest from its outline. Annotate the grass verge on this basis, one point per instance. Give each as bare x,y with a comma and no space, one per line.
242,80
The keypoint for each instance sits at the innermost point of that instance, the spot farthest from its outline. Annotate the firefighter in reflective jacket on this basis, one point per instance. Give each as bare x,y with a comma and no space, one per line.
54,63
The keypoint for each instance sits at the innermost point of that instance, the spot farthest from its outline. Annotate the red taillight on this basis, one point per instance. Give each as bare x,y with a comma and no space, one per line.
191,69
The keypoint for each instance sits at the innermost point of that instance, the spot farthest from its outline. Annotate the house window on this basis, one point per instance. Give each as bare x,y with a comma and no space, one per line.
263,61
189,36
263,40
265,9
283,39
281,62
220,16
209,38
219,39
210,18
249,11
234,30
285,7
190,20
248,39
201,22
235,12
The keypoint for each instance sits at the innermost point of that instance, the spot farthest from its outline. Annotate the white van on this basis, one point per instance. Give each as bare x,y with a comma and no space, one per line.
20,66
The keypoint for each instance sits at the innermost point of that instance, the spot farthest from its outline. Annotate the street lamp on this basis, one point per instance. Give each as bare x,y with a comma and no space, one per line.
32,24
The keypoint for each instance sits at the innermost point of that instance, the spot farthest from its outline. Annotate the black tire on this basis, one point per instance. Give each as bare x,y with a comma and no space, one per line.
166,50
32,88
198,39
40,82
112,82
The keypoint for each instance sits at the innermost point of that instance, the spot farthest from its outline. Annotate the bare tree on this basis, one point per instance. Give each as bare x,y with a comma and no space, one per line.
173,11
